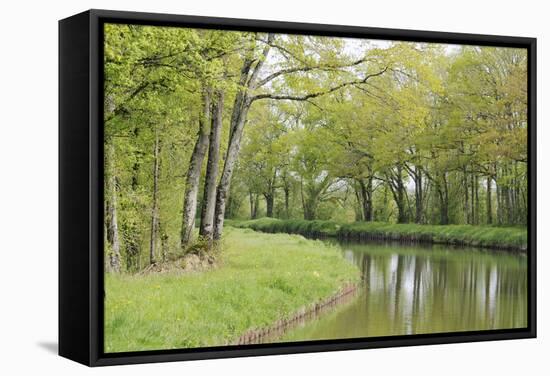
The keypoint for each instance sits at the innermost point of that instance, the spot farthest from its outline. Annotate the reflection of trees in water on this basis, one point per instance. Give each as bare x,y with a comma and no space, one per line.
444,290
413,289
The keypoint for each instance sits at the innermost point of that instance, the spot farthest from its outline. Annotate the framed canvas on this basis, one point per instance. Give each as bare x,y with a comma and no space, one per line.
233,187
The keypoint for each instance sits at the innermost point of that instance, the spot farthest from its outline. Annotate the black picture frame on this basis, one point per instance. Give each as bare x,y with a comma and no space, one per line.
81,187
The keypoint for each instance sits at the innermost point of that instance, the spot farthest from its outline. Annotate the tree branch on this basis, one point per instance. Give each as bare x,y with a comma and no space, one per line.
319,93
307,69
120,108
252,82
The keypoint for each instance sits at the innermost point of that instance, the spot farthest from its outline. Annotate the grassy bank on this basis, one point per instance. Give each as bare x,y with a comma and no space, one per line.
481,236
260,278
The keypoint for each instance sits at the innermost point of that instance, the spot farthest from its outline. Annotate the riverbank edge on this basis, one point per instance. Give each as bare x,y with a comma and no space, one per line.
468,235
255,336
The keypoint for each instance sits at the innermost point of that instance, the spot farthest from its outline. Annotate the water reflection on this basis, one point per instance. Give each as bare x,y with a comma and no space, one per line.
413,289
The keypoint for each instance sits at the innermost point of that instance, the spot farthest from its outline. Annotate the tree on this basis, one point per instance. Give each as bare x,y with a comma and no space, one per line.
209,201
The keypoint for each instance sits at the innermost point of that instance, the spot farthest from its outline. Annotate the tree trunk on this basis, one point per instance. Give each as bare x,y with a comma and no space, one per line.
489,203
229,165
112,233
254,203
269,200
402,217
443,193
359,215
420,200
506,194
287,199
286,190
163,242
247,81
366,198
132,245
384,213
418,195
513,194
398,191
270,194
444,209
518,212
194,172
466,196
476,200
370,207
499,203
209,202
446,200
155,206
309,203
507,198
137,162
251,202
473,203
401,211
309,210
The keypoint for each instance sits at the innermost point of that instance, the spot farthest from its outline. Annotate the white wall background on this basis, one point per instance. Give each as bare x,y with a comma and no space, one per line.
28,185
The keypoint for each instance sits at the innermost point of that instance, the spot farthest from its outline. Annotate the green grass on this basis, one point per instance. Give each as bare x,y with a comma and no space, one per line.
260,279
481,236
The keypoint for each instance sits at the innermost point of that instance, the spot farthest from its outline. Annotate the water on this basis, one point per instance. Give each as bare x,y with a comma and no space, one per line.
424,289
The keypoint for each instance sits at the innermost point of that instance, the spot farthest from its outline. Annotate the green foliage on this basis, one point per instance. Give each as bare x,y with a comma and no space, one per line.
261,278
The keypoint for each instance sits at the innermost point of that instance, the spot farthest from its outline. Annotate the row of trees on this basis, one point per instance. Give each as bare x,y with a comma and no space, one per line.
439,139
328,128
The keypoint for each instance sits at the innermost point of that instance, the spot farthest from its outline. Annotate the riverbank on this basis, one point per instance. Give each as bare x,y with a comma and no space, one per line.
303,315
260,281
509,238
